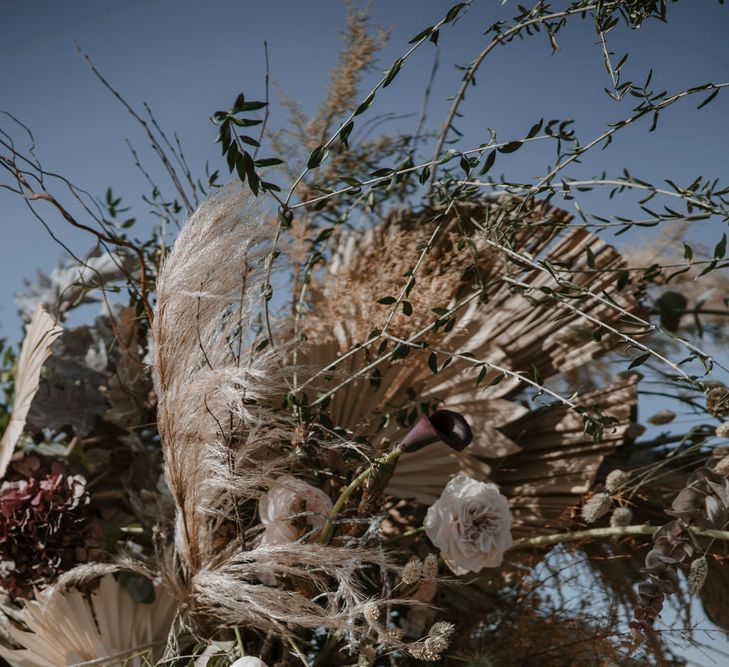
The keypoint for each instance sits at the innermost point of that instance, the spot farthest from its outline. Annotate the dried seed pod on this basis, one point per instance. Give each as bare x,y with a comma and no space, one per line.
717,400
430,567
596,507
622,516
662,417
412,573
698,570
616,479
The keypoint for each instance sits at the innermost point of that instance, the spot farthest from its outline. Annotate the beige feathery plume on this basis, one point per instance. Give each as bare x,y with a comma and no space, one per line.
209,387
42,332
225,440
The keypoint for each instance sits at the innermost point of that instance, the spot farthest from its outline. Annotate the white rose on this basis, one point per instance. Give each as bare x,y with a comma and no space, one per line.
471,525
290,509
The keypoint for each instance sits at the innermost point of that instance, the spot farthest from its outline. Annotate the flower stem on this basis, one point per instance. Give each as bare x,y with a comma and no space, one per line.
388,458
559,538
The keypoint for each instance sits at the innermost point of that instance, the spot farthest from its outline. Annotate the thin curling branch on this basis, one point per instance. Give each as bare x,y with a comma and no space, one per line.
31,195
471,72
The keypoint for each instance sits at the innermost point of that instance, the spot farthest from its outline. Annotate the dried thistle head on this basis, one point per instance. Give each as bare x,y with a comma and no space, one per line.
430,567
717,400
432,647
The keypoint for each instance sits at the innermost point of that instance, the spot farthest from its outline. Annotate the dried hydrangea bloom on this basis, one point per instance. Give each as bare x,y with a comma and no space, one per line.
46,525
471,525
291,509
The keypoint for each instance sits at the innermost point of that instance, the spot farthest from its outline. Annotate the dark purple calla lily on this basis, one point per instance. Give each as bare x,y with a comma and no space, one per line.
443,425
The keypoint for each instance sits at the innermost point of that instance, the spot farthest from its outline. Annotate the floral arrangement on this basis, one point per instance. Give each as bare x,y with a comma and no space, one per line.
301,437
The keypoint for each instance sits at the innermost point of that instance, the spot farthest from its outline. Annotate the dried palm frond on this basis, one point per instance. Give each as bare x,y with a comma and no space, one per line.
542,456
67,626
42,332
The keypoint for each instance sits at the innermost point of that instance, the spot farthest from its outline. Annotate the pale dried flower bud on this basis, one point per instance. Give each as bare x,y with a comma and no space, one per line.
291,509
722,431
697,574
662,417
430,567
622,516
616,479
412,573
596,507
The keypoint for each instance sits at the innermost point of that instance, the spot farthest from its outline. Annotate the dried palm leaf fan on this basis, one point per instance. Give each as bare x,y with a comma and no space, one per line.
541,457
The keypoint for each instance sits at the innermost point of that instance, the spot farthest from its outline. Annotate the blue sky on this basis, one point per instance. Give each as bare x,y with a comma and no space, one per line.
187,59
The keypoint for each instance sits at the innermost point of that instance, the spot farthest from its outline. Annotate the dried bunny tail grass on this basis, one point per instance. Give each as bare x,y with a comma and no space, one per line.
211,387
